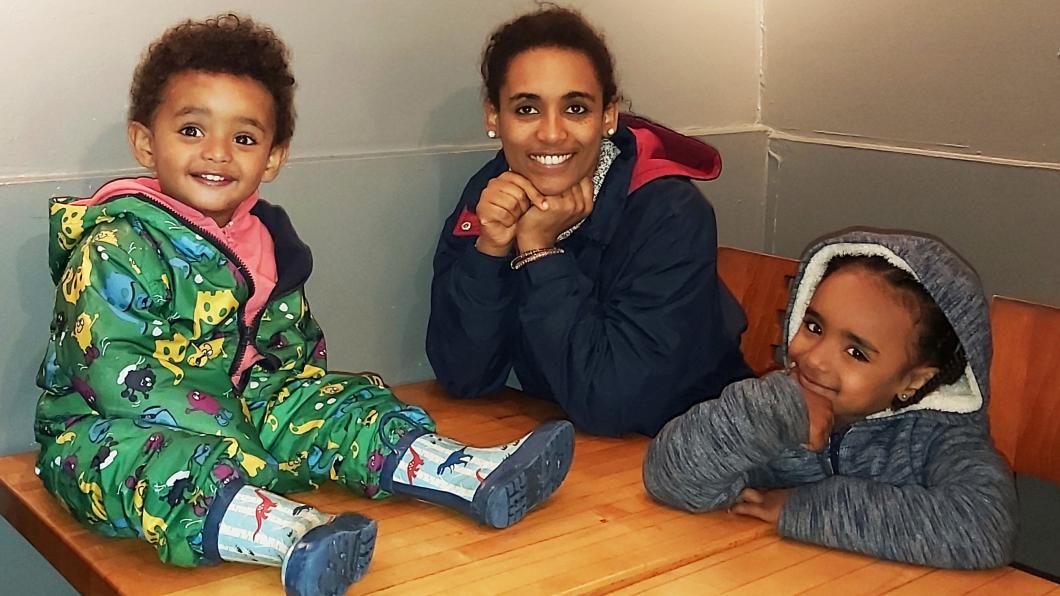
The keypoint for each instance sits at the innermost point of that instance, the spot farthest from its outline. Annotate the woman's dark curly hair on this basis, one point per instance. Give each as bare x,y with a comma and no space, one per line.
550,27
226,44
937,342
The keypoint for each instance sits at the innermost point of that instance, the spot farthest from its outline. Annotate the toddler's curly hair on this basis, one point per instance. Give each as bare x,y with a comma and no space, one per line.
227,44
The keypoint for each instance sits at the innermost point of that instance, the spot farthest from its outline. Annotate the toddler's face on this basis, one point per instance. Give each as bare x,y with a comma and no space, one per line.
210,141
856,345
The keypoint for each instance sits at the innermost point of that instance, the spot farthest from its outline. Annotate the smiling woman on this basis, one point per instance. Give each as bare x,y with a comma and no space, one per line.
582,255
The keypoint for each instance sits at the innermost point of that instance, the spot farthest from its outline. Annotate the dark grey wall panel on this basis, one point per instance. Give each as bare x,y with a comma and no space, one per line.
1003,219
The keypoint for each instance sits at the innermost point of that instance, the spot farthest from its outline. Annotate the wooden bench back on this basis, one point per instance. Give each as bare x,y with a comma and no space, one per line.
1025,386
760,283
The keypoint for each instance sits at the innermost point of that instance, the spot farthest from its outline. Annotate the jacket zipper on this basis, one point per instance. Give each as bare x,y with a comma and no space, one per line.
834,443
245,332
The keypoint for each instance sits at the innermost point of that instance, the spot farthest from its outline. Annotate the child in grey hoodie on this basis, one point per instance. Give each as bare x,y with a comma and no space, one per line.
875,438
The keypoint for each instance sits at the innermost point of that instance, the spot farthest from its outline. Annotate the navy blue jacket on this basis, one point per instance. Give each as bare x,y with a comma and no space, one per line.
625,330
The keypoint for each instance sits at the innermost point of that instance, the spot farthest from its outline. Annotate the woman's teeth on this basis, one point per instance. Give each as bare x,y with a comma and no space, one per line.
551,160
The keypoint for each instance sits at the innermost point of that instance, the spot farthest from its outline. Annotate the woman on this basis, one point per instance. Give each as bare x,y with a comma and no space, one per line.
581,255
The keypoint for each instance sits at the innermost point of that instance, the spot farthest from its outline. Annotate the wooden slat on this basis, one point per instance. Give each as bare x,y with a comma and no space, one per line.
1025,386
759,282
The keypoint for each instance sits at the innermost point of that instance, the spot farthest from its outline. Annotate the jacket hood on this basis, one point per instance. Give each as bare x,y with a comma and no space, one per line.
951,282
663,152
71,218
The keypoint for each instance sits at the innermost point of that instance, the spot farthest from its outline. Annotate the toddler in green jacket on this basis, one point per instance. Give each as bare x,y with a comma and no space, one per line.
185,382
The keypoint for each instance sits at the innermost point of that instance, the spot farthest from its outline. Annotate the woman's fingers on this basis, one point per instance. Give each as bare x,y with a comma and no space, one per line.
528,189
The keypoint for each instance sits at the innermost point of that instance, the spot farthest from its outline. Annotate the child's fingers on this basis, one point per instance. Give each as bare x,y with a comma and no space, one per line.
750,510
750,495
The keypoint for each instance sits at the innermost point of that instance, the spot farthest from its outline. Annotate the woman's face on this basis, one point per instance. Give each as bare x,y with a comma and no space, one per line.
551,117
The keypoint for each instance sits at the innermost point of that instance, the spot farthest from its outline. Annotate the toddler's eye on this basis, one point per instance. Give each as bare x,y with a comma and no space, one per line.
192,131
857,354
245,140
813,327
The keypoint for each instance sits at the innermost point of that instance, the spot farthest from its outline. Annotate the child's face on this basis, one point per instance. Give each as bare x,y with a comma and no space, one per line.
210,141
551,118
856,345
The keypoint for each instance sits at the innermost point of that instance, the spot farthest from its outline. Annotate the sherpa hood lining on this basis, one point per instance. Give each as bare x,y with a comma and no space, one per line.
961,397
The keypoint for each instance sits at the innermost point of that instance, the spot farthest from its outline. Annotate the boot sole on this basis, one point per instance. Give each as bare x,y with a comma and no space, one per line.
330,558
527,477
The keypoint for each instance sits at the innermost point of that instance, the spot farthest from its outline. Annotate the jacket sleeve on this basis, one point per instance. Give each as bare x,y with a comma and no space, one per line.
701,460
472,319
612,350
962,515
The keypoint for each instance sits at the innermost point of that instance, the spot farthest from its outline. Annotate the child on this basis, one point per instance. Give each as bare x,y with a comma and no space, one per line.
185,383
875,439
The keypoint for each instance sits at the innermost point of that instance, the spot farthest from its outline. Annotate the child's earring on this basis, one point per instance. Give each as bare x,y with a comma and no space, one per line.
904,397
491,134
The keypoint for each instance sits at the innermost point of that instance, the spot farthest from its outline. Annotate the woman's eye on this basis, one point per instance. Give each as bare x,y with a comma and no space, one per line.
245,140
813,327
577,110
192,131
857,354
525,110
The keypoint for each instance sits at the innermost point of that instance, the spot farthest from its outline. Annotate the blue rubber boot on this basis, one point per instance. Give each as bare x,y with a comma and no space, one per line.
317,553
330,558
495,486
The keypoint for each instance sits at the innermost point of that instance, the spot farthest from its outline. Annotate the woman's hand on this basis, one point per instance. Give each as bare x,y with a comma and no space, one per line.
501,205
763,504
538,228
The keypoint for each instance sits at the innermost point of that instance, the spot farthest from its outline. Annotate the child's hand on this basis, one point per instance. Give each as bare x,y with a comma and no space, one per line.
764,504
822,418
501,205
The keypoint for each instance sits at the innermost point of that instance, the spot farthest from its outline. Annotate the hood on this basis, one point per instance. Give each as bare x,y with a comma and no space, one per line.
663,152
951,282
71,218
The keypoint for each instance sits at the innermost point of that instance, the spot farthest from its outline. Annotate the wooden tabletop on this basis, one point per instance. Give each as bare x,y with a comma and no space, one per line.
599,533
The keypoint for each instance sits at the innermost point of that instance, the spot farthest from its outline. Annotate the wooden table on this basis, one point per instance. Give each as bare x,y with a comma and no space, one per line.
599,533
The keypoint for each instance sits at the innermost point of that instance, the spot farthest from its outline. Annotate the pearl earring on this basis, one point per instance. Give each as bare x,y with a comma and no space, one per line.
610,131
491,134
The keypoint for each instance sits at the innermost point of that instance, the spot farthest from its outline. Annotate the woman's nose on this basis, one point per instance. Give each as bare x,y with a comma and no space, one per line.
551,128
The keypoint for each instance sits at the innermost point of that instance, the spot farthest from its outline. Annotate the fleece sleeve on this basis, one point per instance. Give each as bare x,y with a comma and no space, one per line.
962,516
700,461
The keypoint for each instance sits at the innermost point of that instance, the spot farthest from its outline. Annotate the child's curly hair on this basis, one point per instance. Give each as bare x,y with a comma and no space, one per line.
226,44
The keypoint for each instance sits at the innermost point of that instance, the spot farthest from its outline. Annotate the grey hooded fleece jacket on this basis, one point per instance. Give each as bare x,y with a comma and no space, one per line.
921,485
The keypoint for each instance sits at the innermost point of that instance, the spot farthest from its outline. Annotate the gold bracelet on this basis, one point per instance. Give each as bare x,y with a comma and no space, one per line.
533,255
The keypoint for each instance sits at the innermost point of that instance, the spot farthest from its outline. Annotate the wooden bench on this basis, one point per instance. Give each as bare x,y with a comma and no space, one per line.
760,283
599,533
1025,386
